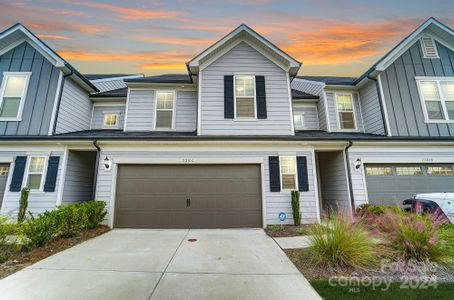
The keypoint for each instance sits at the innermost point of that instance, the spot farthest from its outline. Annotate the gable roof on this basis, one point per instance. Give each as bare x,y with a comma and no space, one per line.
247,34
18,33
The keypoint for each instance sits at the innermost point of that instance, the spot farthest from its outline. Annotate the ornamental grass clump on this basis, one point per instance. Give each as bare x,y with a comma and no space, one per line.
342,243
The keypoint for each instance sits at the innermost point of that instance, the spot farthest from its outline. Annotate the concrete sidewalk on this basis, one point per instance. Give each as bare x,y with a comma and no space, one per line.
164,264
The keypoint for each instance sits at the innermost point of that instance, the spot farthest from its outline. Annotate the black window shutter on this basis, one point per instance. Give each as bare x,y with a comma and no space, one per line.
301,166
261,97
51,177
18,174
275,174
228,97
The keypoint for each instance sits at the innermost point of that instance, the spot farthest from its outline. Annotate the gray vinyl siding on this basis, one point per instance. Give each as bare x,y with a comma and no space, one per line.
38,202
333,181
79,176
244,59
322,114
97,120
75,109
310,115
40,98
333,117
275,202
141,110
370,107
400,90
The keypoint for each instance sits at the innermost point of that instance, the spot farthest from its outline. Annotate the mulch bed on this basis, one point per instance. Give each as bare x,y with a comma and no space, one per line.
287,231
24,258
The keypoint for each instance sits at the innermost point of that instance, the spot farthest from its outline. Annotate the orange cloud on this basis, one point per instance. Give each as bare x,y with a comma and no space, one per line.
167,56
53,36
175,40
163,66
130,13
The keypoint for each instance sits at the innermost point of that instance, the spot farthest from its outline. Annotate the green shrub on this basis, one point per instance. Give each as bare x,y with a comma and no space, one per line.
95,211
275,227
39,230
23,204
370,210
72,219
296,208
343,243
7,244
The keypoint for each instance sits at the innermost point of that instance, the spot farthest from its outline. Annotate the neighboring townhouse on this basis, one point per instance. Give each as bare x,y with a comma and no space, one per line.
226,143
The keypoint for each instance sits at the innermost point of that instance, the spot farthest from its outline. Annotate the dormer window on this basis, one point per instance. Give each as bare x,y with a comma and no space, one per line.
429,47
165,103
245,96
111,120
13,92
345,111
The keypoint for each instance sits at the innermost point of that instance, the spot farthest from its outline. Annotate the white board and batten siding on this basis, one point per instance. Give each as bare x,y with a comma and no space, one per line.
99,111
75,109
243,59
275,202
141,110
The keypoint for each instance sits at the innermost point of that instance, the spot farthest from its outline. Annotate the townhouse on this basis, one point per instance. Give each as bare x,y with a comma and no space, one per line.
224,144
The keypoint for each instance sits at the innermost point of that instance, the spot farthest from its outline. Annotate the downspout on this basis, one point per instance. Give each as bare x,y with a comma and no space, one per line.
380,101
349,172
95,173
54,129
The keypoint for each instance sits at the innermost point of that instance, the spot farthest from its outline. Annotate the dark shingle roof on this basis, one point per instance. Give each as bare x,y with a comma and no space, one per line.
102,76
121,92
297,94
164,78
331,80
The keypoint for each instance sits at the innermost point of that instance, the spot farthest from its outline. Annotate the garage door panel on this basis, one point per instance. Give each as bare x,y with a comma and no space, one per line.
221,196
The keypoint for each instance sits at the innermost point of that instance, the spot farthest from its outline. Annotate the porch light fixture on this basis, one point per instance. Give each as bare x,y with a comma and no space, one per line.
107,164
358,163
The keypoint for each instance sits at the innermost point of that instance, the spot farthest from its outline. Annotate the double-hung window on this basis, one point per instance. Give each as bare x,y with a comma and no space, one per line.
245,96
437,96
35,173
165,102
345,111
13,92
288,172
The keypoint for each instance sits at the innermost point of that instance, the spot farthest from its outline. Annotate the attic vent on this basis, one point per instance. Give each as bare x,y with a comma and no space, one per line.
429,48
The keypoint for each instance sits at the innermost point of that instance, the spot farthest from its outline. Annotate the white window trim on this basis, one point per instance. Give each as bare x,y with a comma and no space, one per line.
234,98
297,127
156,109
442,100
296,173
117,123
27,172
424,48
23,96
339,128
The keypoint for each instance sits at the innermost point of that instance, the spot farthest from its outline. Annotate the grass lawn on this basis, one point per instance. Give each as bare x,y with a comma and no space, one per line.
441,291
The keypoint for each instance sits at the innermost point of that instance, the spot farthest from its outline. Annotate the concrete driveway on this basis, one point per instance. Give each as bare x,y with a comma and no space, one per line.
164,264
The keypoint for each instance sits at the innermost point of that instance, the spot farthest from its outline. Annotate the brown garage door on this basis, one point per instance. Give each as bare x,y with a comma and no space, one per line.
188,196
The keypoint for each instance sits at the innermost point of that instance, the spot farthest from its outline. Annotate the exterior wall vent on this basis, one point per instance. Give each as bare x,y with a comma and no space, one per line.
429,47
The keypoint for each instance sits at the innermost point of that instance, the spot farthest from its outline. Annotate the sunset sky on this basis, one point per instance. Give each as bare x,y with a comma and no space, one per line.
342,37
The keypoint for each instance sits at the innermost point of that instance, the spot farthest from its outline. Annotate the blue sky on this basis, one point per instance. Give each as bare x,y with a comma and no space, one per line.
329,37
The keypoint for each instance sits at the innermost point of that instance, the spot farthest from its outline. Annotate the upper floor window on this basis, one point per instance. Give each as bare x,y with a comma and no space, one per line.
110,120
245,96
165,103
437,96
429,48
13,92
288,172
35,173
345,111
298,120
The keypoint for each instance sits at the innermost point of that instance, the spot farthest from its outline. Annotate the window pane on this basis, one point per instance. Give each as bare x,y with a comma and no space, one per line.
447,88
245,108
244,86
446,170
34,181
36,164
408,171
165,100
110,119
379,171
288,182
14,86
4,171
10,107
429,90
344,102
164,119
347,120
434,110
298,121
288,165
450,108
